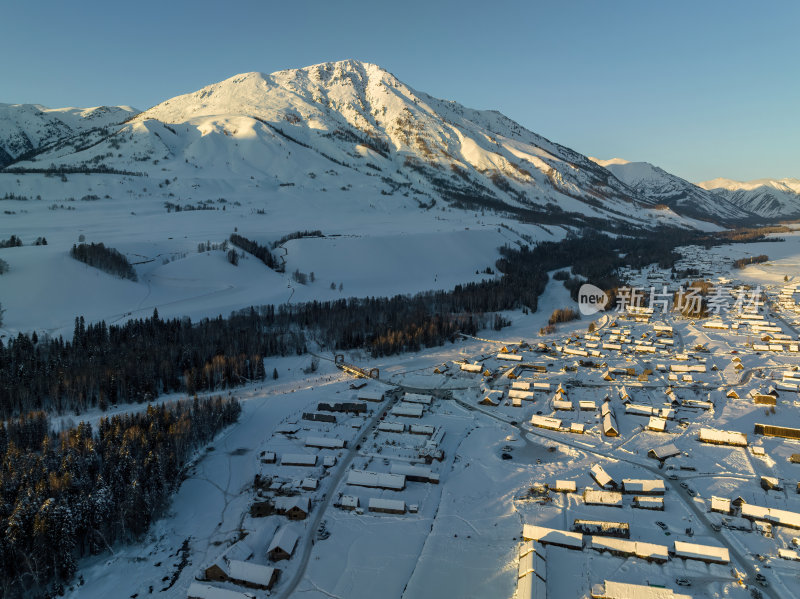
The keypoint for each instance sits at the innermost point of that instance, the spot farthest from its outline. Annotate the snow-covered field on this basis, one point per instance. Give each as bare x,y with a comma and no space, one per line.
363,254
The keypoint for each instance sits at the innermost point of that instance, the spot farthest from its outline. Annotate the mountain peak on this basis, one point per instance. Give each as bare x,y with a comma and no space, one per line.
679,194
605,163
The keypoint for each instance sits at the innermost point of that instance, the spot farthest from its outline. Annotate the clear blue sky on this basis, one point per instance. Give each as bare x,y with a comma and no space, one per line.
700,88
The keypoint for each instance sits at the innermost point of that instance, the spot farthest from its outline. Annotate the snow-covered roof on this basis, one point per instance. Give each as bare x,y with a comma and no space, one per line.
648,501
509,357
250,572
601,476
649,551
707,553
418,398
348,501
521,385
288,503
298,459
568,486
422,429
531,562
710,435
636,485
199,590
720,504
376,503
545,422
239,550
552,536
625,590
531,586
610,424
776,516
392,427
640,410
324,442
520,394
789,554
415,471
657,424
408,409
285,539
601,526
381,480
595,497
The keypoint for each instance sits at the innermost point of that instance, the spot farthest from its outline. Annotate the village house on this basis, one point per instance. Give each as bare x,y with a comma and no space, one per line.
198,590
648,502
716,437
601,477
604,498
704,553
387,506
376,480
643,486
283,544
602,527
299,459
552,536
624,590
294,508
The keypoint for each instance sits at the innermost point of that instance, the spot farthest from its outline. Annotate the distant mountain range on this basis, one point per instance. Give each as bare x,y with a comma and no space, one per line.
679,194
26,129
350,126
769,198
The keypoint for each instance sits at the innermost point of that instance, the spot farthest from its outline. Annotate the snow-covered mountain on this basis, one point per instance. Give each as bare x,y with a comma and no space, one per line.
683,197
26,128
345,125
770,198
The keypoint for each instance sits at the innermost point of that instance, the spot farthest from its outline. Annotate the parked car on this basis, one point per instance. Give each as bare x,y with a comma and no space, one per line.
506,456
683,582
684,485
661,525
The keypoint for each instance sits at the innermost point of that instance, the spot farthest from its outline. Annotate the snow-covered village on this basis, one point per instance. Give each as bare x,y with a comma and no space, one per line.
280,317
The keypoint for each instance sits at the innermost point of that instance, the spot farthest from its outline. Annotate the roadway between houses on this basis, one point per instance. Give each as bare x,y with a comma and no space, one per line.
344,466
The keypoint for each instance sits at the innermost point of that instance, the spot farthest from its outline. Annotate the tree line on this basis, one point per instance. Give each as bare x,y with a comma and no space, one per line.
74,493
259,251
143,358
742,262
105,258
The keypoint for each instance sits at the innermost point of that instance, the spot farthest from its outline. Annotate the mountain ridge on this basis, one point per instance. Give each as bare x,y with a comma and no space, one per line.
769,198
301,127
677,193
